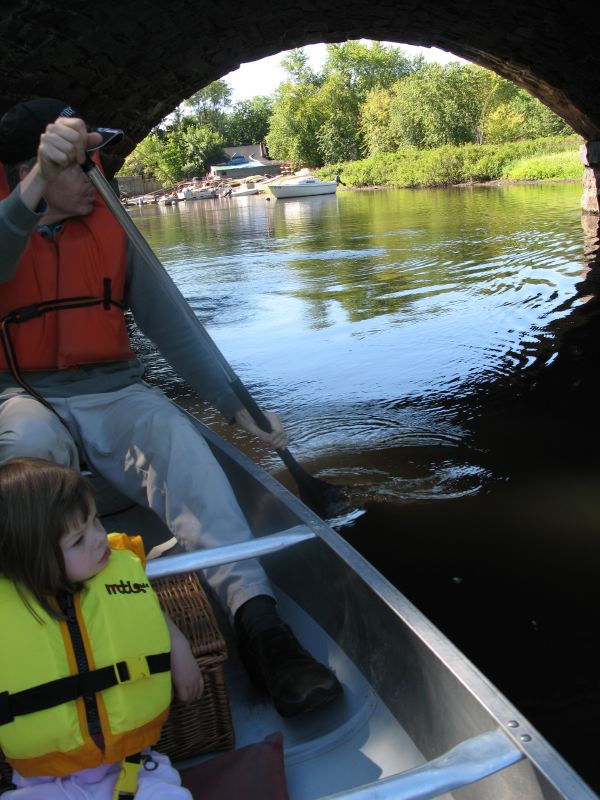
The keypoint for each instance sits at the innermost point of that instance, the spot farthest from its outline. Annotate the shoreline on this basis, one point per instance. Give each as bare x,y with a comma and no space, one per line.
465,185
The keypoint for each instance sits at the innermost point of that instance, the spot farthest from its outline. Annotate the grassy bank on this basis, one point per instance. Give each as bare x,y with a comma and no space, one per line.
551,158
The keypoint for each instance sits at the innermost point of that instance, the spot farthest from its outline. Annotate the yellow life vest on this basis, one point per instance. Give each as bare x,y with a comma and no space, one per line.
126,643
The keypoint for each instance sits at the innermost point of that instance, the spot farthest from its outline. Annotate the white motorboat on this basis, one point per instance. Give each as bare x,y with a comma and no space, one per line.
302,187
203,194
245,189
195,193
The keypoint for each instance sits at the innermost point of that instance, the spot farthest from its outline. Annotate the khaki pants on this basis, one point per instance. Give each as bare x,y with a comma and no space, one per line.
150,451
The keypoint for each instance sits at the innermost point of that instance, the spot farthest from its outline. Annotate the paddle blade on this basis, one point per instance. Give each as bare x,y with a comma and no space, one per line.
325,499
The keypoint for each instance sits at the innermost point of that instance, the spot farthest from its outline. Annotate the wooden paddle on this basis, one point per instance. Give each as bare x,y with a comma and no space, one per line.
328,500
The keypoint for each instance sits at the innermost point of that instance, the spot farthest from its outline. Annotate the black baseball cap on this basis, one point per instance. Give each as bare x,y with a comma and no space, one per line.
23,124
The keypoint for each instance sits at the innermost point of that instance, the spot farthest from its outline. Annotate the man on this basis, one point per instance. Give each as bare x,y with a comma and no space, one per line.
71,388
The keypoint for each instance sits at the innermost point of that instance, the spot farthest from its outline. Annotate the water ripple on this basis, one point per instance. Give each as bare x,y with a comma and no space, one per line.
363,321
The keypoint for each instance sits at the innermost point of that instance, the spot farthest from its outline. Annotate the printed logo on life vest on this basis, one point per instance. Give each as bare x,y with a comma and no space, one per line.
126,587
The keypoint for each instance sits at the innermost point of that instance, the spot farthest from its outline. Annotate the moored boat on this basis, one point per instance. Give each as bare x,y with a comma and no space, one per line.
245,190
416,719
304,186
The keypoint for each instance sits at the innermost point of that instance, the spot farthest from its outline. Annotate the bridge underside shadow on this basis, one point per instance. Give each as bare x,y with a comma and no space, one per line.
128,65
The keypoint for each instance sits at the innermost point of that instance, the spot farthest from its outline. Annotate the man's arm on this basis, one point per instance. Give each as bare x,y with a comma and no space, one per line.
184,348
17,222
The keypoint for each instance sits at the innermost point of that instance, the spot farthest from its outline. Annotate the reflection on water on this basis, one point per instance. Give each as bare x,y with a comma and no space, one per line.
437,350
364,316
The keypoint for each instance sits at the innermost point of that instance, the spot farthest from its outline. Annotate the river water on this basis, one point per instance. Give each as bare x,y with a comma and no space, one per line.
435,350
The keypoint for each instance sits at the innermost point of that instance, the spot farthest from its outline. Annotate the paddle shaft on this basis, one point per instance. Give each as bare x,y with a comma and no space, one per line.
139,242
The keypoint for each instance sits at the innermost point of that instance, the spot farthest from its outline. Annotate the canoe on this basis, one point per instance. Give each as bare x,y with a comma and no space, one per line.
302,187
416,720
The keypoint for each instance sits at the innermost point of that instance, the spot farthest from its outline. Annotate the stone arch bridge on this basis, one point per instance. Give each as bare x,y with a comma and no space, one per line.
127,64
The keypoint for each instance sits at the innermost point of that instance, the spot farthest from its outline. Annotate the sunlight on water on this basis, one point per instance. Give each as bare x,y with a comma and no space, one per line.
363,317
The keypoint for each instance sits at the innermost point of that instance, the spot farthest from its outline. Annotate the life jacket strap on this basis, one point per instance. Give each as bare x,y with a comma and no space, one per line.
27,313
64,690
127,782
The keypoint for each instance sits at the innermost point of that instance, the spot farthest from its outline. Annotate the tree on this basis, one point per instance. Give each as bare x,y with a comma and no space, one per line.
201,146
297,66
144,159
539,119
208,106
295,121
170,156
444,104
377,135
315,118
503,124
367,66
248,123
338,134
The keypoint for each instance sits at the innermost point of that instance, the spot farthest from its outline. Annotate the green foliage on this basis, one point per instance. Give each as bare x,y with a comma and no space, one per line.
208,106
442,104
295,121
450,164
551,166
374,123
503,124
366,67
174,155
143,160
297,66
462,103
315,118
369,99
539,120
248,122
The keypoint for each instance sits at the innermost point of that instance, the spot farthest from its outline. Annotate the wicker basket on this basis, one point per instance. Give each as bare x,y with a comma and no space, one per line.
203,725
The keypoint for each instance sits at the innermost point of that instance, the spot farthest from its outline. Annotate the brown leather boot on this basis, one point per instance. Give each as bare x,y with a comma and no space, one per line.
278,664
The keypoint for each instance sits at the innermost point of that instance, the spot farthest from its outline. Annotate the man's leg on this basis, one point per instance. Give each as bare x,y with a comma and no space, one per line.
152,452
27,428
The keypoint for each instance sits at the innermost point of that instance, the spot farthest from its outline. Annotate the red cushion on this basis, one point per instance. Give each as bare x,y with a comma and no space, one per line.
254,772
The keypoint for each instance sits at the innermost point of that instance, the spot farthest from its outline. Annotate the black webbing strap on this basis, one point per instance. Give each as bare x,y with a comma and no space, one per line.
63,690
27,313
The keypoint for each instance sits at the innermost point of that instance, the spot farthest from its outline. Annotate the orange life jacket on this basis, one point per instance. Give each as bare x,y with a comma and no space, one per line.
85,263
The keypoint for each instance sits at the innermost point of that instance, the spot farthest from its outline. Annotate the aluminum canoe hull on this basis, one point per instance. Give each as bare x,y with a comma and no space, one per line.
410,696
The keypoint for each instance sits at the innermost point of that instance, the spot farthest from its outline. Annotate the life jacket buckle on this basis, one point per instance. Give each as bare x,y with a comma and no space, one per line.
132,669
127,782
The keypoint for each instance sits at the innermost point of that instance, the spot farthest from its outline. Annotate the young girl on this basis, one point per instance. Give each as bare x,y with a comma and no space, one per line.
88,656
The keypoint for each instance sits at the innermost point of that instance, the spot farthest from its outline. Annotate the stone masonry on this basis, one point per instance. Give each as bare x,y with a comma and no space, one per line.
127,64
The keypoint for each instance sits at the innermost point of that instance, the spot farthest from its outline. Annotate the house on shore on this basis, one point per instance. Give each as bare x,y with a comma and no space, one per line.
246,160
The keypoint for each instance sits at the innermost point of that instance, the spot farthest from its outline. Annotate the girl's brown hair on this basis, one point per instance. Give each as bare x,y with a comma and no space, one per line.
39,502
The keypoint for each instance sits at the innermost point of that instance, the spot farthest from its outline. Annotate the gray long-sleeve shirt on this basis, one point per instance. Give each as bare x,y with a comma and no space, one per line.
177,338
